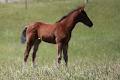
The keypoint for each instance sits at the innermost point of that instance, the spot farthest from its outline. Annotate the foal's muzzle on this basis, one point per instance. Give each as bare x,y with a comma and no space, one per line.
90,24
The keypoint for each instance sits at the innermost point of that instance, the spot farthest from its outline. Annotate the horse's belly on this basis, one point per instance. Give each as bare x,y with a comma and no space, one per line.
49,39
46,33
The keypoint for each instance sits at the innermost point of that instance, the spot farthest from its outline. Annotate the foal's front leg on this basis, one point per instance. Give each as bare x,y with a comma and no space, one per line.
59,53
65,53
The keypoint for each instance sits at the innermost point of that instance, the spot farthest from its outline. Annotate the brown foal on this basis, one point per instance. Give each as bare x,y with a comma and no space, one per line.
58,33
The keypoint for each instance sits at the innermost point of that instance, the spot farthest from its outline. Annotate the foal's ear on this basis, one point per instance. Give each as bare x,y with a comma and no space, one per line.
82,7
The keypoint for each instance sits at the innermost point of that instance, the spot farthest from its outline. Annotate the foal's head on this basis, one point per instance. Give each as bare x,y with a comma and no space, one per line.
82,17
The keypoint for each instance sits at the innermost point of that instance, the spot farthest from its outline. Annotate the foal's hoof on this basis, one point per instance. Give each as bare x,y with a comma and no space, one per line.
57,65
34,65
24,65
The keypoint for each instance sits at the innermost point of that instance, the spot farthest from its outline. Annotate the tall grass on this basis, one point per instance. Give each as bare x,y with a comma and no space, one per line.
80,69
93,52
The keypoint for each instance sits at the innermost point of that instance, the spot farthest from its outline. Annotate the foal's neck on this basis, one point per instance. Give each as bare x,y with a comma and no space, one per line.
69,22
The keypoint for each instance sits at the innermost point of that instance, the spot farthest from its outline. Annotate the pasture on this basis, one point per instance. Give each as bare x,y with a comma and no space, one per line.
94,53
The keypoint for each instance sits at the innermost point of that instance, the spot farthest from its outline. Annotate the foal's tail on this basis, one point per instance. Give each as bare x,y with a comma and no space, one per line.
23,36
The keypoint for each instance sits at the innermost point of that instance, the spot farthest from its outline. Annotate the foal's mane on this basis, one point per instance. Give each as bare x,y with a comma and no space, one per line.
70,13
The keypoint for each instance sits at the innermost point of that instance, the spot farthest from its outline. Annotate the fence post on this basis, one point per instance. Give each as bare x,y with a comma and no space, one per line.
26,4
86,1
6,1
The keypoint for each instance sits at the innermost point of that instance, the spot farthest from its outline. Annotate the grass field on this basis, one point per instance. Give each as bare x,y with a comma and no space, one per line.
94,53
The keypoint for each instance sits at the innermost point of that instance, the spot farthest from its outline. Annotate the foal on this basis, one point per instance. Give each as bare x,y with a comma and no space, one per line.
58,33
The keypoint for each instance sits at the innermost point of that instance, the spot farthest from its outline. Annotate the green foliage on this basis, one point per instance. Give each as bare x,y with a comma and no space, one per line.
93,52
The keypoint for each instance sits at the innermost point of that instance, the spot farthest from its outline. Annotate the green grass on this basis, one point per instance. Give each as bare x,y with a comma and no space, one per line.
93,52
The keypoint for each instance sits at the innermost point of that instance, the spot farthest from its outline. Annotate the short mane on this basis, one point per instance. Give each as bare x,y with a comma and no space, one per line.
68,14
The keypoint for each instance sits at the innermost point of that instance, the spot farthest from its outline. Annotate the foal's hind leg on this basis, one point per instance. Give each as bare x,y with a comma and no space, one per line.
35,48
30,42
28,48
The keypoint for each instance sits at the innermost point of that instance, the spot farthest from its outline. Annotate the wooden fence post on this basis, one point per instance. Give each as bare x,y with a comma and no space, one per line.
26,4
6,1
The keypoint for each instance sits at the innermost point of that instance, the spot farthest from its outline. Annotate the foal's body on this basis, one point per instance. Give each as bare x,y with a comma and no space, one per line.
58,33
43,31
